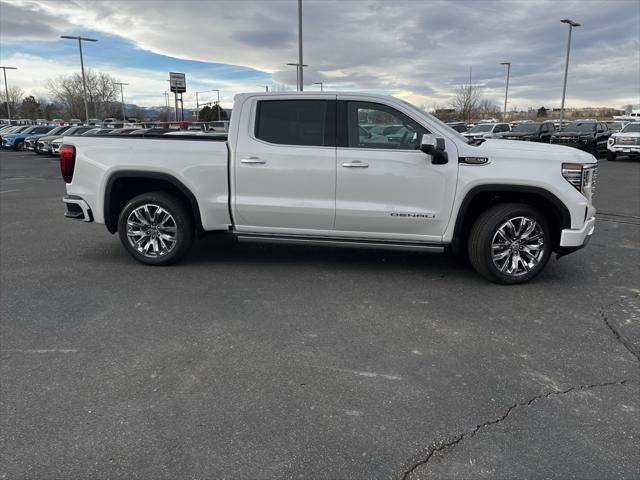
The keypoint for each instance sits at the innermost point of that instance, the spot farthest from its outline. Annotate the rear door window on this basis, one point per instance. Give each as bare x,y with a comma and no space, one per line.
296,122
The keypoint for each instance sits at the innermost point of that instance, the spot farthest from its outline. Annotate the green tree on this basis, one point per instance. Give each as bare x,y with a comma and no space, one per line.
30,108
210,114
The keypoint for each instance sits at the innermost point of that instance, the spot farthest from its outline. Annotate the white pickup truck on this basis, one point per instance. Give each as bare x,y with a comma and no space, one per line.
302,168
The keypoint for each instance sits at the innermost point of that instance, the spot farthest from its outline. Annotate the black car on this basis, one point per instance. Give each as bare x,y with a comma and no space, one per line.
589,136
531,132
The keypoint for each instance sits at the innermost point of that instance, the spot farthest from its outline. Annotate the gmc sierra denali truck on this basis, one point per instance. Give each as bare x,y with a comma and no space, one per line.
299,168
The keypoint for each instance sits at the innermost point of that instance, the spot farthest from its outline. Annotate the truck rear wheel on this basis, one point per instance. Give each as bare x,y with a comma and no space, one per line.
156,228
510,243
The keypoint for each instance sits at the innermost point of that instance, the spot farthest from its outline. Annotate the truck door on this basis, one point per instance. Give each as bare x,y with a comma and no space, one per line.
285,166
386,186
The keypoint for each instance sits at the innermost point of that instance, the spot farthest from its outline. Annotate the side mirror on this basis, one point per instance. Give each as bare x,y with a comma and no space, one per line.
434,146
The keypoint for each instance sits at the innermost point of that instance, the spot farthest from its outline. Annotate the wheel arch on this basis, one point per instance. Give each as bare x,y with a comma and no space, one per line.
481,197
124,185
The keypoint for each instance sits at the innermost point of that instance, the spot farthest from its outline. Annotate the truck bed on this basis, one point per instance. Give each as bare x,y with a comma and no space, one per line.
196,163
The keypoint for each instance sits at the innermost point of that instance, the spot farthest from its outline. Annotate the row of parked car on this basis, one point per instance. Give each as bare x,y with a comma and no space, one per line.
593,136
46,139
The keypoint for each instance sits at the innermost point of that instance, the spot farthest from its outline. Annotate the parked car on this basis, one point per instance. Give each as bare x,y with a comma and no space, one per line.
300,175
75,121
11,129
122,131
110,120
219,126
625,143
16,140
99,131
531,132
58,121
72,132
43,145
590,136
31,143
94,121
488,130
41,121
459,126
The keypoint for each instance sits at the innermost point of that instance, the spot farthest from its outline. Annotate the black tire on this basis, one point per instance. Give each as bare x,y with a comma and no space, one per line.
485,229
611,156
17,146
594,149
181,221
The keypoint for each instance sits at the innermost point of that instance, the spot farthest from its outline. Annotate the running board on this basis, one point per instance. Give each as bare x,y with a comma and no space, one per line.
335,242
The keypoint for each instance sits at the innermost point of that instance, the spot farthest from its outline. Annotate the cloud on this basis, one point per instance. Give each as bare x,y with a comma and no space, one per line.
421,49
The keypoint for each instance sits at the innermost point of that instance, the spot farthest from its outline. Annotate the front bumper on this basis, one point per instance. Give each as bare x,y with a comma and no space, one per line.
624,149
77,208
575,239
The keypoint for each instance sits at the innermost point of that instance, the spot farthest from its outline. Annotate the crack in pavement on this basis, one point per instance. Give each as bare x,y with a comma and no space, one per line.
441,445
616,333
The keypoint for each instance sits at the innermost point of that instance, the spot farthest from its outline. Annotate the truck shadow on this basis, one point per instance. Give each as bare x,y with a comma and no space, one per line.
221,249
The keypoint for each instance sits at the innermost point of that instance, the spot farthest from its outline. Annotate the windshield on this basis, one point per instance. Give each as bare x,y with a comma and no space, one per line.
486,127
632,127
29,130
527,128
580,127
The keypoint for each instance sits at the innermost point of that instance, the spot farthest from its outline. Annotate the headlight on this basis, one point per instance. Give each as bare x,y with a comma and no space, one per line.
582,177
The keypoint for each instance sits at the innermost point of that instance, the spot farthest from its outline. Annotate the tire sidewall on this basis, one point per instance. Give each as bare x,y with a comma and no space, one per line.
520,211
179,213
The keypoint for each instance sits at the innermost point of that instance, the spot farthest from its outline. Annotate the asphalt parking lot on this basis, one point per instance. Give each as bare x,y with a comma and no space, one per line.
258,361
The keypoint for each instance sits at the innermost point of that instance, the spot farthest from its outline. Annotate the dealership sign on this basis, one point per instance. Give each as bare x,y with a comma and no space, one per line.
177,82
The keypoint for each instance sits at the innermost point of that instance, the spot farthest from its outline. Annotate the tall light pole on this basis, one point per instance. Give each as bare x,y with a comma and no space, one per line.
300,62
571,24
84,82
198,104
297,65
6,89
506,91
124,118
321,84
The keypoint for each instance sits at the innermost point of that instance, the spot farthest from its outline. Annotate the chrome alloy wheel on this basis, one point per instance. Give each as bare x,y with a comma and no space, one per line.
518,246
151,230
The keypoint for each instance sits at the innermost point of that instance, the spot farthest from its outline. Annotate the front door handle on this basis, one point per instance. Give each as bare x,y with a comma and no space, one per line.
356,164
252,160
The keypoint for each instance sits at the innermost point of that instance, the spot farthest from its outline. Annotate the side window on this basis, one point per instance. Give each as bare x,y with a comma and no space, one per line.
373,125
293,122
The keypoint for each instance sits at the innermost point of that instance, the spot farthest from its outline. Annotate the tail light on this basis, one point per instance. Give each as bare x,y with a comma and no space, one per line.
67,162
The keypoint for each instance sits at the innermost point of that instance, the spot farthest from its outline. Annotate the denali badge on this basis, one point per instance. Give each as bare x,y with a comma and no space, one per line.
413,215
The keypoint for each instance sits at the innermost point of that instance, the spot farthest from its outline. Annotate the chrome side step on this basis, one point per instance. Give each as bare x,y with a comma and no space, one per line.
339,242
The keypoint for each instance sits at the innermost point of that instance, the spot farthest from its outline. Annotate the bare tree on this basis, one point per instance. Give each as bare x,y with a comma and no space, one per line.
466,99
102,94
16,94
488,108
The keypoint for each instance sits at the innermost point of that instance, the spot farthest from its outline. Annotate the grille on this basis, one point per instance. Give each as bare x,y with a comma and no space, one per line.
627,140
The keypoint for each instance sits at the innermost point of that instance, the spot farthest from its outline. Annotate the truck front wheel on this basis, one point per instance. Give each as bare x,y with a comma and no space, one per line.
156,228
510,243
611,156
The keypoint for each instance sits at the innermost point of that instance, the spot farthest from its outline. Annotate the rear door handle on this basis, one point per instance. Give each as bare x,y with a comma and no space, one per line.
356,164
252,160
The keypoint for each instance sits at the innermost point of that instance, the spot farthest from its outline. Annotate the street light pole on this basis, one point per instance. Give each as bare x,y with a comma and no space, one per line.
297,65
321,84
84,82
300,62
571,24
506,91
6,89
124,118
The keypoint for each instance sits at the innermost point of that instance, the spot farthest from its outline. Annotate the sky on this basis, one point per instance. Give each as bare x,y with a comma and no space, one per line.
416,50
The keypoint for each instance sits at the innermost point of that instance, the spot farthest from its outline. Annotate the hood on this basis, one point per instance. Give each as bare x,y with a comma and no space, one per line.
530,150
628,134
